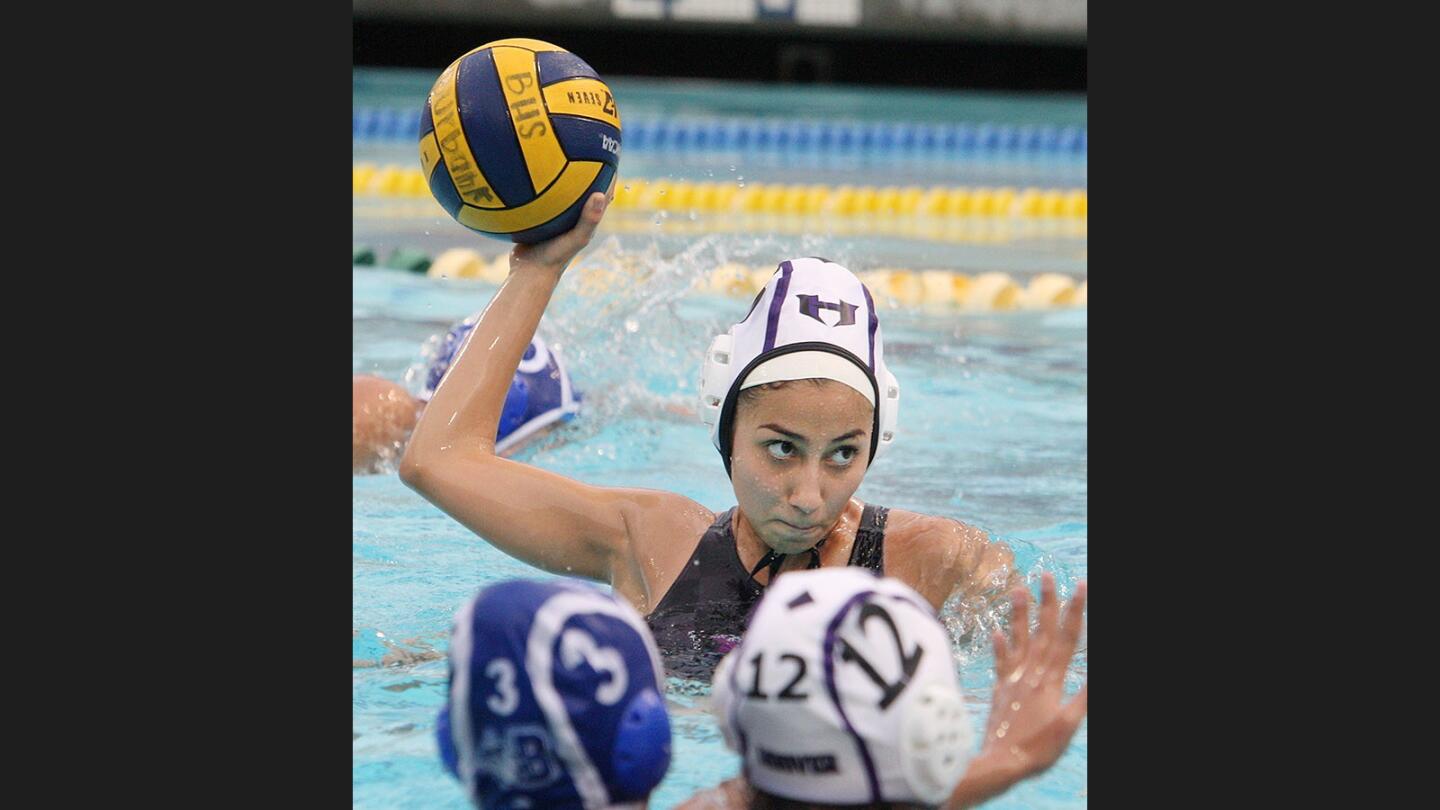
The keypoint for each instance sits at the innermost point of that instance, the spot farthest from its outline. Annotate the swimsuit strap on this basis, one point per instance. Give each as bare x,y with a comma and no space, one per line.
869,548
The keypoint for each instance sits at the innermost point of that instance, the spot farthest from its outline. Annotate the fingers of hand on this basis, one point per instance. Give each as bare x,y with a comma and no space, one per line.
584,230
1064,648
595,208
1002,663
1049,610
562,249
1019,621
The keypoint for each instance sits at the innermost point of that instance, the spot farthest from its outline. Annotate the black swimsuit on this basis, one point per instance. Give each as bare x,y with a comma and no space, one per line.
703,614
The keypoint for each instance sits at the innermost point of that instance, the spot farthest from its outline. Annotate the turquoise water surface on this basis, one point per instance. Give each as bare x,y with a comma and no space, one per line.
992,427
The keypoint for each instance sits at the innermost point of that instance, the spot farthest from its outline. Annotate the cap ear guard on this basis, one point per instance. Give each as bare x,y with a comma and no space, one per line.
642,747
714,382
889,407
935,742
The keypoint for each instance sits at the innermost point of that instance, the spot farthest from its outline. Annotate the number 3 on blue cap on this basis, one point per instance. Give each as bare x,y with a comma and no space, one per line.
505,699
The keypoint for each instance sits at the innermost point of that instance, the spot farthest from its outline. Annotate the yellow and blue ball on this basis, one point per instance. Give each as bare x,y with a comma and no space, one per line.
515,136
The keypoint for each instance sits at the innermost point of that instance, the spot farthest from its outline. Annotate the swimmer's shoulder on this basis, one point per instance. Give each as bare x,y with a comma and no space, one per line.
654,511
382,413
367,389
663,524
926,531
663,529
930,552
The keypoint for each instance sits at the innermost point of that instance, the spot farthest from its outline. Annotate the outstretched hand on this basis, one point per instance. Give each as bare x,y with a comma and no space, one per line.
1030,724
557,252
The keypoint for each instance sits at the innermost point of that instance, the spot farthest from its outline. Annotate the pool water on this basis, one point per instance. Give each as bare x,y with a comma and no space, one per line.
993,431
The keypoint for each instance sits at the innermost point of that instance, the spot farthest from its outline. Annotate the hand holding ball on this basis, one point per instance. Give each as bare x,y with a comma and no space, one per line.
515,136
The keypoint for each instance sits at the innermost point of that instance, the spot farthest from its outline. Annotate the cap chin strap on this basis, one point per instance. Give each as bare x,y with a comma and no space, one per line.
775,559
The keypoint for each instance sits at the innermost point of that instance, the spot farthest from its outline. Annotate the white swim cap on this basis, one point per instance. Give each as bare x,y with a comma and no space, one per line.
843,691
813,319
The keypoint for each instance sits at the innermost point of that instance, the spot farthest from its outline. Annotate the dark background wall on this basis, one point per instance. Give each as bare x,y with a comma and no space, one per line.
888,46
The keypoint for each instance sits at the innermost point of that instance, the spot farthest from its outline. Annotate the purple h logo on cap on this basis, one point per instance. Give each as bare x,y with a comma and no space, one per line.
811,305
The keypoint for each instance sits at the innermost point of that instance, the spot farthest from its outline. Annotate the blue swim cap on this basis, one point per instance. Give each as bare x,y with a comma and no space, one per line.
555,700
540,394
